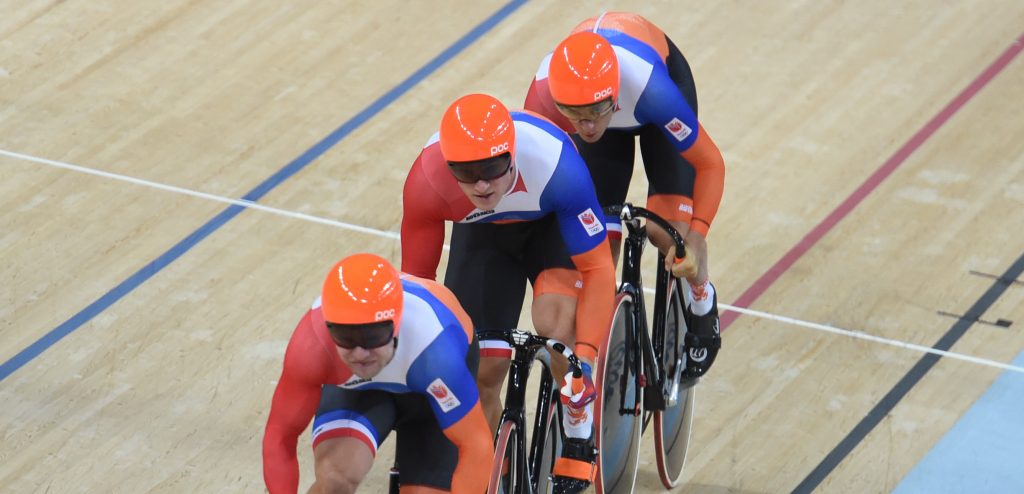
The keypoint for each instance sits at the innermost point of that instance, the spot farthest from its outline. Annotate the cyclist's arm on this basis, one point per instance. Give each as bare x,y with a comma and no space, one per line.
443,375
422,227
581,223
594,309
472,436
294,404
663,105
710,181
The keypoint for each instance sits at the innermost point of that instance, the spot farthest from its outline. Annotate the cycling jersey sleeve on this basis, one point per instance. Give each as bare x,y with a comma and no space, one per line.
306,369
663,105
581,223
710,182
472,436
422,226
442,374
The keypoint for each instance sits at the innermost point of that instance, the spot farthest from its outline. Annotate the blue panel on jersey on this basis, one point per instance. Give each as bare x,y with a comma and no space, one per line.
661,100
570,194
440,372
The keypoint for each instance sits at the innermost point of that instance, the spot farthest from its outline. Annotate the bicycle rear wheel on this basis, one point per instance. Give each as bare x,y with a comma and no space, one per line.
508,470
672,426
618,438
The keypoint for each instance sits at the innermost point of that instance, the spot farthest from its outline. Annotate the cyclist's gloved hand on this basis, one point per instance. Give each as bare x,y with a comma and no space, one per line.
685,268
579,392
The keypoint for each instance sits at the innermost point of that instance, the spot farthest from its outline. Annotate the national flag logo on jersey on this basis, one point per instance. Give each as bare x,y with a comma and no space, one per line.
590,223
443,395
678,129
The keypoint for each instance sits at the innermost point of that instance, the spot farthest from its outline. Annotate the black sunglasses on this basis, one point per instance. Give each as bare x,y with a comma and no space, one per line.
471,172
368,336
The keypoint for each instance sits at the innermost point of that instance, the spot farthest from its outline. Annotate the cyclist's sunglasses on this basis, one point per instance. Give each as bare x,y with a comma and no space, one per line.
368,336
587,112
471,172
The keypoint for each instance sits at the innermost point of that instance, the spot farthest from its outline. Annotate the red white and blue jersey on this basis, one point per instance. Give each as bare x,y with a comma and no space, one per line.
647,93
430,358
435,335
550,178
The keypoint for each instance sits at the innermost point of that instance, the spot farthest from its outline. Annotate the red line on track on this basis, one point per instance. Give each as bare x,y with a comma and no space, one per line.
776,271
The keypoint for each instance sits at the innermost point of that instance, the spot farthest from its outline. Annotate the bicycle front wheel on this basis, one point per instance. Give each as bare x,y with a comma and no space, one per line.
507,469
672,426
619,412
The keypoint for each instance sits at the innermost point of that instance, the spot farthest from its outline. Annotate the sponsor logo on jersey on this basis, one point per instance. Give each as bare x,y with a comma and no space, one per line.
590,222
444,396
356,381
479,214
678,129
686,208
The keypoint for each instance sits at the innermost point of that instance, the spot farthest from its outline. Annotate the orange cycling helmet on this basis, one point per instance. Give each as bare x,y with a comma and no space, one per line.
476,127
583,70
362,290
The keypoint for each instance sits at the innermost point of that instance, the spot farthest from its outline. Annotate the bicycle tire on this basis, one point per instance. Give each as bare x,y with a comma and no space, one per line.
673,425
505,447
618,435
551,451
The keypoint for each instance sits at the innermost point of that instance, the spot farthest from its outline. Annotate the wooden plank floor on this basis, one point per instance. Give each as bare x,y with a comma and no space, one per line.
143,328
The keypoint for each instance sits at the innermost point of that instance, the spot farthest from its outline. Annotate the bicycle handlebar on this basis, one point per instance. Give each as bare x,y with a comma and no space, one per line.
521,340
630,214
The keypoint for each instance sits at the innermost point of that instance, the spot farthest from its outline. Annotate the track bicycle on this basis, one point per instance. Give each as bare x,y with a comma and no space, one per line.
640,369
516,470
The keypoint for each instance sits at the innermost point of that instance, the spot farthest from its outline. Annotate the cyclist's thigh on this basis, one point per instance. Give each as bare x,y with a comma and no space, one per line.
367,416
670,177
610,161
556,283
425,455
679,71
486,274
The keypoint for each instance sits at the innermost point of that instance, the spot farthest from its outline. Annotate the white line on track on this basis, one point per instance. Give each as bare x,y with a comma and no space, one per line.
394,235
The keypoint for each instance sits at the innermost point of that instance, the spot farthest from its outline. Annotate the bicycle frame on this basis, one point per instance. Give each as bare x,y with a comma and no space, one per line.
525,350
652,378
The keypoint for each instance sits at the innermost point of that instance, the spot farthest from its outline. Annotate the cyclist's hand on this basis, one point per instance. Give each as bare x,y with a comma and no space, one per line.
685,268
579,392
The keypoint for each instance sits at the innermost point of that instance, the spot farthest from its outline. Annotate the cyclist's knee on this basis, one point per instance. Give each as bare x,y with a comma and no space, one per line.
334,477
554,316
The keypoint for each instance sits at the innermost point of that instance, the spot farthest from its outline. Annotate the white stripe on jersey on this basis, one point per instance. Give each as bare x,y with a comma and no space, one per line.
634,72
537,155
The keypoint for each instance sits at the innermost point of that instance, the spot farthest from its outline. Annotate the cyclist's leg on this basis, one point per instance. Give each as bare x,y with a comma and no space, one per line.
556,285
426,457
348,428
486,277
610,161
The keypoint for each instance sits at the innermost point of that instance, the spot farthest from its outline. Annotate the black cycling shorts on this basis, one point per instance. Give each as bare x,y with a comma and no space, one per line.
490,263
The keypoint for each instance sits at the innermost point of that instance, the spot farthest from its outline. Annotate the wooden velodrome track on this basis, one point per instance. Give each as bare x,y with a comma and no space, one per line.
875,181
